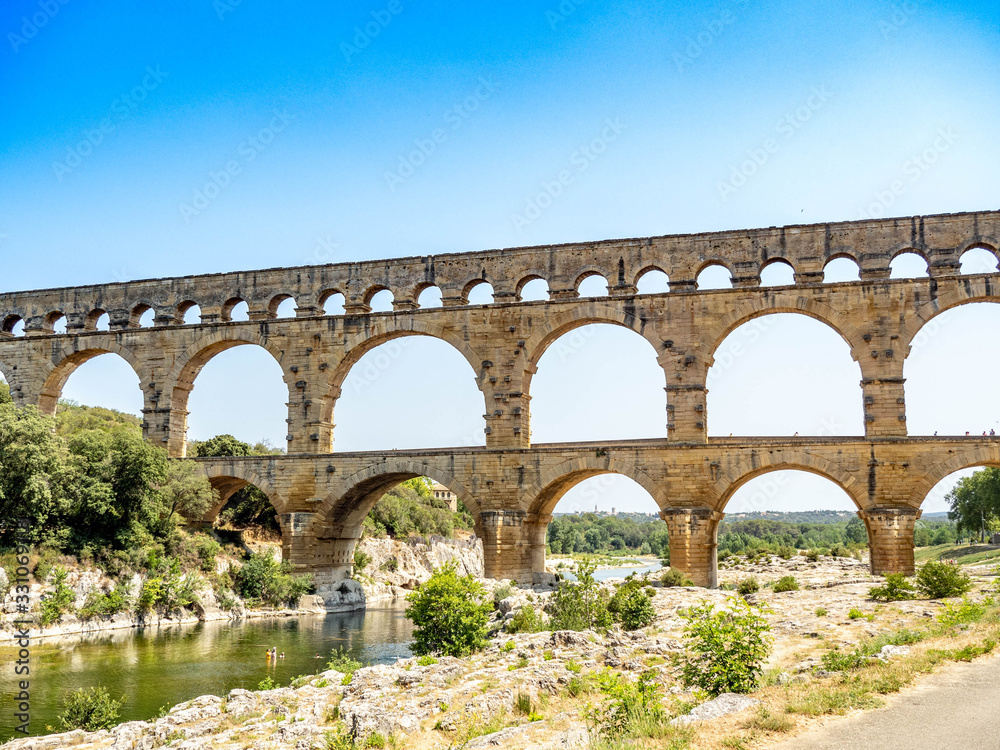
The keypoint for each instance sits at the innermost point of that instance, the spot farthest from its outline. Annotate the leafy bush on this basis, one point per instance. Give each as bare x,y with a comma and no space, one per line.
103,605
58,601
813,555
786,553
264,579
580,604
896,589
726,648
90,710
391,565
855,614
449,614
342,661
208,549
941,580
748,586
525,620
821,612
786,583
426,661
673,577
361,560
631,605
267,684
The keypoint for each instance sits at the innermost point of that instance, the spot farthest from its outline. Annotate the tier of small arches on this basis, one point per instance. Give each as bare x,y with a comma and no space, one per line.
199,356
532,285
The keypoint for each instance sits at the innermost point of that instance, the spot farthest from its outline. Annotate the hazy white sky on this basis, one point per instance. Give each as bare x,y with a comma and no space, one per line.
858,97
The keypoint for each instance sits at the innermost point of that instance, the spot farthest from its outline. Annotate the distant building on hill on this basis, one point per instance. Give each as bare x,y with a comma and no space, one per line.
443,493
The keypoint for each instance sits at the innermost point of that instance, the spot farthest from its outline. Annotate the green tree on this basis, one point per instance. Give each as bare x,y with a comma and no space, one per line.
187,492
975,503
221,445
855,532
30,465
449,614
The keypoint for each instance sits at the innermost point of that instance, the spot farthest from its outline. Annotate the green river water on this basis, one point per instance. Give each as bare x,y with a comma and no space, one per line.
166,665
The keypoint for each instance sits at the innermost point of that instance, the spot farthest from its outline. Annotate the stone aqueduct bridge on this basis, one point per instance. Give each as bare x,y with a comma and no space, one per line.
510,485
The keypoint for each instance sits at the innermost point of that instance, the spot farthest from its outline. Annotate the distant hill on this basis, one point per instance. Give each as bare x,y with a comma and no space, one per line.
802,516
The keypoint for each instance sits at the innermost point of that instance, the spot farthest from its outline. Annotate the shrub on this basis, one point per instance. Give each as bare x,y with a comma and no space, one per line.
426,661
449,614
747,586
631,605
786,553
500,593
90,710
634,709
59,600
821,612
580,605
941,580
964,612
361,560
342,661
673,577
813,555
208,549
391,565
896,589
102,605
786,583
267,684
726,648
525,620
855,614
264,579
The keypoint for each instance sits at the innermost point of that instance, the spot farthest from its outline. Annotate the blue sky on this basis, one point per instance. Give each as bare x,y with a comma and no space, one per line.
115,118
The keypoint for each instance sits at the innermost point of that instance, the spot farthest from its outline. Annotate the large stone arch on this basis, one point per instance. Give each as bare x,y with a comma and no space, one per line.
179,381
580,315
760,463
70,358
357,494
228,477
967,290
382,332
979,456
749,310
542,496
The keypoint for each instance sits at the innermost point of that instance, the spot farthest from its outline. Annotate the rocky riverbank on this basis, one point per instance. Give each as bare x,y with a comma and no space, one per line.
394,569
543,689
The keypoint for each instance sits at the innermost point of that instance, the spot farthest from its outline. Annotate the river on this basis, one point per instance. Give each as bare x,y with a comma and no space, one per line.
162,666
603,574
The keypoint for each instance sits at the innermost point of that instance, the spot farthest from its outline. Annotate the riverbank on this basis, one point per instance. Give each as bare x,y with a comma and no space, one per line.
531,690
392,570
